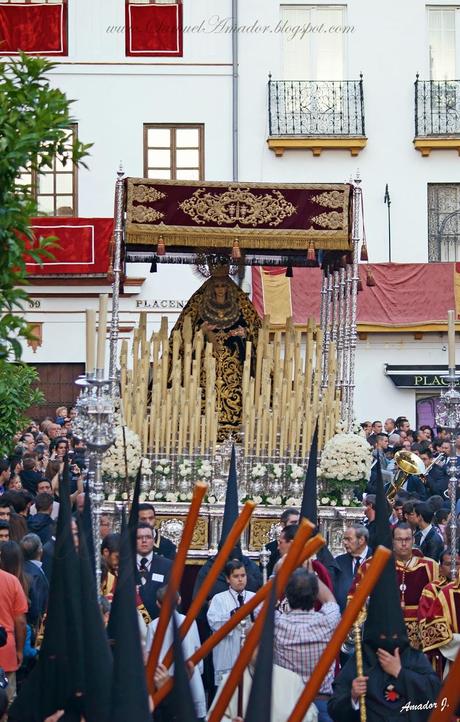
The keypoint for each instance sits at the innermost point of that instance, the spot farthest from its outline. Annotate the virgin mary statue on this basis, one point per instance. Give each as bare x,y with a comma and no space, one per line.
228,320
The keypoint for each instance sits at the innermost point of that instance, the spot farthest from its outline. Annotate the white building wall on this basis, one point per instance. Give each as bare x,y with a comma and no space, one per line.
115,96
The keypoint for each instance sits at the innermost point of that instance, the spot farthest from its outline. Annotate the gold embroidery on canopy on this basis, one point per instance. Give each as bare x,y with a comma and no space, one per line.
330,199
332,220
142,214
237,205
143,194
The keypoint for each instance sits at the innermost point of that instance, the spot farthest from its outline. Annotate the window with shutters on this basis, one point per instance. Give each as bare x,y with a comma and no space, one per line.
174,152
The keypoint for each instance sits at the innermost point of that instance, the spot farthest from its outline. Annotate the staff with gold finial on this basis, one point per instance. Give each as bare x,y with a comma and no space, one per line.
357,627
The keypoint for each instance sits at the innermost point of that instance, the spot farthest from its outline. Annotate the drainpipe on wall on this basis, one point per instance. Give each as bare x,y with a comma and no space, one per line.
235,89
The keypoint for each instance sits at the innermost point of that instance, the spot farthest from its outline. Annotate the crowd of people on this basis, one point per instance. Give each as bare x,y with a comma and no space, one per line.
417,623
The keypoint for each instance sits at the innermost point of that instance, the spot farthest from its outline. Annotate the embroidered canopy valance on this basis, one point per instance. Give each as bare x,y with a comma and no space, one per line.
282,218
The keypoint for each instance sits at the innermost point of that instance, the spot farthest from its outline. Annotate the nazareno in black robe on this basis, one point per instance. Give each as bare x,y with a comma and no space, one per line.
417,684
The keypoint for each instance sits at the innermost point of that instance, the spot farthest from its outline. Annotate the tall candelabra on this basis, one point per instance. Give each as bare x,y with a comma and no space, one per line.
95,422
448,415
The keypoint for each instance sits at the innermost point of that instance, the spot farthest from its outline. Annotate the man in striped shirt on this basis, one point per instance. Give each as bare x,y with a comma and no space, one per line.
301,634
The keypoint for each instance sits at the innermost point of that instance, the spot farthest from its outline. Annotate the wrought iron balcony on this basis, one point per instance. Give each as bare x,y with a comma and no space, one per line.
437,115
316,107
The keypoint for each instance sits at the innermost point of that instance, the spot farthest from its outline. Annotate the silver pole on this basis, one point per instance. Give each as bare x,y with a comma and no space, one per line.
118,238
346,342
341,330
354,297
327,328
235,93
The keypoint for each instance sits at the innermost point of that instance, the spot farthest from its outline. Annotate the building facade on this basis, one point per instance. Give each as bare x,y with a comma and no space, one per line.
271,92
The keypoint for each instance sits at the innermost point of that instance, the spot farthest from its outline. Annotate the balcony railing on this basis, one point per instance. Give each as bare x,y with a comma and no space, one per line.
437,107
316,107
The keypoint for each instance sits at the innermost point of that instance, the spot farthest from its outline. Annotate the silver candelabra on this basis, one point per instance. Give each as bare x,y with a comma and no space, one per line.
448,415
95,422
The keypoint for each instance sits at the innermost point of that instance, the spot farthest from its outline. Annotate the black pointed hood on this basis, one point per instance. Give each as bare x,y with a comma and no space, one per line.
259,706
133,519
382,513
58,679
309,508
384,626
129,689
231,500
98,655
181,700
86,529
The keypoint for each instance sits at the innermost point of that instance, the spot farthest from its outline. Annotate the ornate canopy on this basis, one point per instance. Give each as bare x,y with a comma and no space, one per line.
283,219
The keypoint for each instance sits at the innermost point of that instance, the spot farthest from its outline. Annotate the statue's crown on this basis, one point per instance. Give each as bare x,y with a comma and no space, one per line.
220,270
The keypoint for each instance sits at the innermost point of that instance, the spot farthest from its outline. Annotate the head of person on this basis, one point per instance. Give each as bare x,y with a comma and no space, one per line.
302,590
53,468
398,508
72,412
53,431
5,509
20,501
427,432
161,594
381,442
144,539
366,427
406,444
61,447
235,574
32,547
44,487
5,471
426,456
44,503
61,412
110,550
403,541
11,559
441,516
355,539
394,440
369,507
377,427
389,425
445,447
403,424
105,525
14,483
28,442
409,514
436,502
290,516
147,514
286,537
444,564
423,514
4,531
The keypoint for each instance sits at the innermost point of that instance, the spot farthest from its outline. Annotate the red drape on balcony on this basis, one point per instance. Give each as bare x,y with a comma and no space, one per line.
153,30
84,246
39,28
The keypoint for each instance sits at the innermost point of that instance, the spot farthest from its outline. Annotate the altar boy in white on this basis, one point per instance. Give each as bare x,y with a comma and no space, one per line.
221,608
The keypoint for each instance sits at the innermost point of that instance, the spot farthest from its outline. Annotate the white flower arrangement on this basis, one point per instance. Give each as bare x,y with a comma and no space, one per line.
163,468
258,471
274,500
204,468
257,499
182,496
294,471
185,468
275,471
113,463
146,467
292,501
325,501
346,457
212,499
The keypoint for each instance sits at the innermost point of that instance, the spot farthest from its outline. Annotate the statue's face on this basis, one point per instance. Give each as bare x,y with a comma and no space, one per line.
220,291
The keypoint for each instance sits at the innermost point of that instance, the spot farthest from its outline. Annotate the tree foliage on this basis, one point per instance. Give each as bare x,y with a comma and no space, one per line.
35,121
17,394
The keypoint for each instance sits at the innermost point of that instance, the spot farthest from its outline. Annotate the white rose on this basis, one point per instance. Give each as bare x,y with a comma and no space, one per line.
163,462
111,497
142,497
124,496
325,500
166,470
346,502
189,496
257,499
151,495
333,502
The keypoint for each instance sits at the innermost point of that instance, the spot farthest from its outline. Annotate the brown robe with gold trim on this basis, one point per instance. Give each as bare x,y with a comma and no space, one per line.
416,575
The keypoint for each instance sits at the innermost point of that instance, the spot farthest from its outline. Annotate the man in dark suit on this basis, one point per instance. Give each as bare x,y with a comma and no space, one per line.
152,570
355,541
427,538
289,517
164,547
32,550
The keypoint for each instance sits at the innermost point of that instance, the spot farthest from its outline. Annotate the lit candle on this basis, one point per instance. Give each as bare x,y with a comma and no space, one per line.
90,339
102,330
451,338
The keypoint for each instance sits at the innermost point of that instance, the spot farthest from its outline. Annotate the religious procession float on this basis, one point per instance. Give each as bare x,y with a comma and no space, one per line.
175,403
